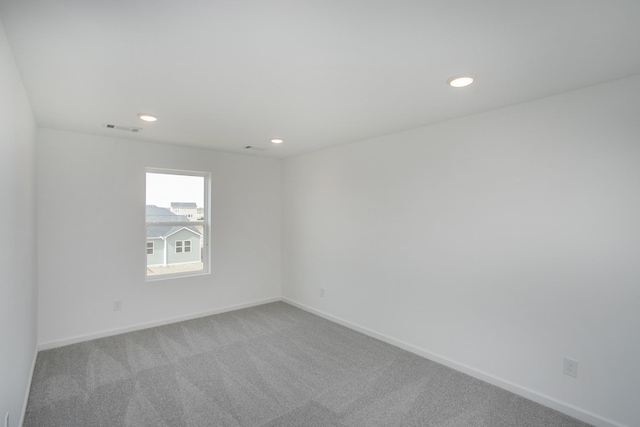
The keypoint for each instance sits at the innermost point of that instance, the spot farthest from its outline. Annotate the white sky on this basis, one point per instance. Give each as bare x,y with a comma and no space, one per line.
162,189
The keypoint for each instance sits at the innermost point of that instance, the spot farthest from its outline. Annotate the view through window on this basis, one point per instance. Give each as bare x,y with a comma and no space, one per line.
176,223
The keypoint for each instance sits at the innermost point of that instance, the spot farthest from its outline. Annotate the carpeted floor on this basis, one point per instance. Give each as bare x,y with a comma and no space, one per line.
272,365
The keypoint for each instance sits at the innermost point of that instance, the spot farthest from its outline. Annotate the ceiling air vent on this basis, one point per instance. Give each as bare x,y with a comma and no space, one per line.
123,128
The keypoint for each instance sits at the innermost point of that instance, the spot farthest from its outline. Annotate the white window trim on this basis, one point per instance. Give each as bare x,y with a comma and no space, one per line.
153,248
205,223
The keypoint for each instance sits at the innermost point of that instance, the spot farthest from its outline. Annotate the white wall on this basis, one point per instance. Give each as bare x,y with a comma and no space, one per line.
498,243
17,238
91,245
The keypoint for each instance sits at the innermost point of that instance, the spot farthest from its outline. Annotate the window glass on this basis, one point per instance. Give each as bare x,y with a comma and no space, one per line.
176,223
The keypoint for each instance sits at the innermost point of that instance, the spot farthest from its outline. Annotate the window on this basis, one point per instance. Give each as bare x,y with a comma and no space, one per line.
180,242
183,246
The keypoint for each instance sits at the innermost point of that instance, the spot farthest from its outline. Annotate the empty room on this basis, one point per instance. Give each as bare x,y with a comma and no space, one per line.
320,213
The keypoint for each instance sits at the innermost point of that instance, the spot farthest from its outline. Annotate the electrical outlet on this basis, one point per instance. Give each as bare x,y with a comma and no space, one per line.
570,368
321,292
117,305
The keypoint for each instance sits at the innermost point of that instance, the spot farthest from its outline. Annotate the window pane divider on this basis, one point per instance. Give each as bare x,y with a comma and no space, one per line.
176,223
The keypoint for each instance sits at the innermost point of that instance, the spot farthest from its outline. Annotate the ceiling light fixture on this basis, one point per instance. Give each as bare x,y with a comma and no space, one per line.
277,141
460,81
147,117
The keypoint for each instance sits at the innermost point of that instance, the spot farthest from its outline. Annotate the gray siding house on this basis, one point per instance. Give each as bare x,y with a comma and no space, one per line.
188,209
167,244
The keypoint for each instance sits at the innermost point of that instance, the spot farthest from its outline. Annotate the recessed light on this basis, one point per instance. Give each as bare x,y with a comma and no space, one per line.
147,117
277,140
460,81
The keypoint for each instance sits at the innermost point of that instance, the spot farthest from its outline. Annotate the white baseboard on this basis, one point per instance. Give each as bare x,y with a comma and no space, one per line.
111,332
26,394
565,408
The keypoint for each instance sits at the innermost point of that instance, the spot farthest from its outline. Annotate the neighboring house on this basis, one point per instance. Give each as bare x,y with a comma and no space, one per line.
190,210
168,244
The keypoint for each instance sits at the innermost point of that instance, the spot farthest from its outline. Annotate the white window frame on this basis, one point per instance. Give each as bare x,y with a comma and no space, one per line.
153,248
205,223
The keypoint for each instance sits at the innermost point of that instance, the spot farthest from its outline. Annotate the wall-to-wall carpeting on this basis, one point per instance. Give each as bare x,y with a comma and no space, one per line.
271,365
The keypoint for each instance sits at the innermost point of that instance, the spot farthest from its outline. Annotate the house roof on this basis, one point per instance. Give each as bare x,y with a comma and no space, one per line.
183,205
166,231
163,215
157,214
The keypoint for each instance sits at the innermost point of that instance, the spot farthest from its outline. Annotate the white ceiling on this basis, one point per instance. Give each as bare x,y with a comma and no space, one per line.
224,74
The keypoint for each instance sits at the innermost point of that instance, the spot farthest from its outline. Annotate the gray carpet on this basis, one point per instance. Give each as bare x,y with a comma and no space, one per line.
272,365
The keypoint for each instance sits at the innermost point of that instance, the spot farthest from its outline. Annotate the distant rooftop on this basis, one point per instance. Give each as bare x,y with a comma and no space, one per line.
183,205
158,214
